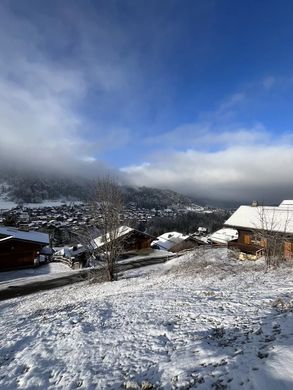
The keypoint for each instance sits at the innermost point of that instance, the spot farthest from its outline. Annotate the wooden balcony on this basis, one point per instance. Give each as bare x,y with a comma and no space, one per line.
250,249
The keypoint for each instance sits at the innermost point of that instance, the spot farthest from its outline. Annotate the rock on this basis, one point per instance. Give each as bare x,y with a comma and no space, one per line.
146,385
131,385
262,355
258,331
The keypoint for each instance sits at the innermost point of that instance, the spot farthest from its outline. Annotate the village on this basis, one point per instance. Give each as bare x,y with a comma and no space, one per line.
73,215
32,239
67,223
166,321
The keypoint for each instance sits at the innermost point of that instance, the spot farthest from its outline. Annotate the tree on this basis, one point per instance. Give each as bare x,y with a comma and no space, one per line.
108,208
271,233
10,220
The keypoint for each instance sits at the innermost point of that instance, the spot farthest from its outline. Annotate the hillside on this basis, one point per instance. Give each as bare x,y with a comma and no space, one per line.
198,321
27,188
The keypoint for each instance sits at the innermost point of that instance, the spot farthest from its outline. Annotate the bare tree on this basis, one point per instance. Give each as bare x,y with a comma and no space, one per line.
85,236
271,233
108,209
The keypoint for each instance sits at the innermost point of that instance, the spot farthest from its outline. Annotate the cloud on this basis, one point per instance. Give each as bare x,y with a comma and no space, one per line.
234,174
48,74
221,156
210,135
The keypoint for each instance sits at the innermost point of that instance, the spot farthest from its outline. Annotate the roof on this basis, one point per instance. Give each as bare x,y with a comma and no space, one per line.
32,236
278,219
168,240
224,235
122,231
286,204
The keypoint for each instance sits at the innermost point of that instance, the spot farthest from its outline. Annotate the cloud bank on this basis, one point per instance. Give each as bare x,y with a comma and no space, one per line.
235,174
61,77
81,87
219,158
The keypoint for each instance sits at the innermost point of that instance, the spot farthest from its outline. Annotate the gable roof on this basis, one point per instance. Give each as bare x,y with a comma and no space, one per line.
224,235
121,231
168,240
32,236
278,219
287,204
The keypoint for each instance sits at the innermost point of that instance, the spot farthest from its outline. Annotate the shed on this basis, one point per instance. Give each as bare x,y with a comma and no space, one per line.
20,248
130,239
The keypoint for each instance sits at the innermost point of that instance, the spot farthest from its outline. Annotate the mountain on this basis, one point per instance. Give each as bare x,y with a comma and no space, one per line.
23,187
152,197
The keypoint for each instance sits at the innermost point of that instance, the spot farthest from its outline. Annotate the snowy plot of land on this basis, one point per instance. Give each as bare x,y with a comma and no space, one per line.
199,321
45,269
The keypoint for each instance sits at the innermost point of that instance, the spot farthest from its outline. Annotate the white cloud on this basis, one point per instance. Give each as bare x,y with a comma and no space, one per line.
210,134
43,99
237,173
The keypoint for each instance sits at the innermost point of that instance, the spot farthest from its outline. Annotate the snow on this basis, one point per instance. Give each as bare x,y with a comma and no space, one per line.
223,236
286,204
70,251
7,205
51,268
24,235
167,240
201,320
121,231
278,219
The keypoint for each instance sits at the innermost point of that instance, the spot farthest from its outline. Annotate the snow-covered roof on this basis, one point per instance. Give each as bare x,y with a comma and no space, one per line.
279,219
223,236
122,231
42,238
6,238
286,204
168,240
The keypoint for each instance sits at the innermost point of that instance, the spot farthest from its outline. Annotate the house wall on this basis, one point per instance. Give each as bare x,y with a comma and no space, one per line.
136,241
288,250
245,236
15,253
249,237
186,244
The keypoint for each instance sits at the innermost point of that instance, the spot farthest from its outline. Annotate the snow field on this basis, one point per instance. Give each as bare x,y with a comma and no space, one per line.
200,321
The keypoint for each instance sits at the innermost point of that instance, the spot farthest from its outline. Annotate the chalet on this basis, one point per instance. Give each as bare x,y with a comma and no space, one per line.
190,242
19,248
223,236
130,239
168,240
254,223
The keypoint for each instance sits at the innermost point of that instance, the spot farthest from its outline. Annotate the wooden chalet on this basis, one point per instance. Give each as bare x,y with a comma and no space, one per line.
19,249
130,239
190,242
253,224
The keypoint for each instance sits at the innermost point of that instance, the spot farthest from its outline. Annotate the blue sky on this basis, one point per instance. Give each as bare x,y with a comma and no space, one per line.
190,95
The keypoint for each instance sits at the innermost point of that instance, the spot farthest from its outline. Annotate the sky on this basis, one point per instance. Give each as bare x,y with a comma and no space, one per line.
194,96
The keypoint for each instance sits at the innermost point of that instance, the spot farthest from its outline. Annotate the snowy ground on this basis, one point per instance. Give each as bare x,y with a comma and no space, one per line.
45,269
202,321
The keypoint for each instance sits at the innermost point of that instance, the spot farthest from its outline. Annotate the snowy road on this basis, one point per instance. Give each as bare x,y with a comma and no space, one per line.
46,269
194,322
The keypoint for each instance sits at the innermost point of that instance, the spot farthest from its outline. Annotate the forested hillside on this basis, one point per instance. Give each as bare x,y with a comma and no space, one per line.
28,188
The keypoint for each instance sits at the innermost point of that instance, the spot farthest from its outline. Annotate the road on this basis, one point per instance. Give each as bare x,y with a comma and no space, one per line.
23,286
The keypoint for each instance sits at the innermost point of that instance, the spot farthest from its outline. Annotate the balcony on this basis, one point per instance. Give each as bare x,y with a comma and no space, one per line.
250,249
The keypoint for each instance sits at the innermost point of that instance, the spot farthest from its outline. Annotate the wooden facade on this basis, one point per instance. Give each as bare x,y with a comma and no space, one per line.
249,242
133,240
16,253
188,243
